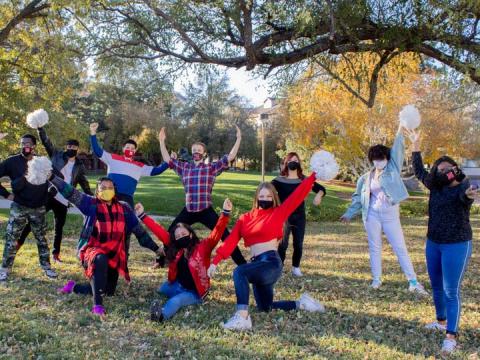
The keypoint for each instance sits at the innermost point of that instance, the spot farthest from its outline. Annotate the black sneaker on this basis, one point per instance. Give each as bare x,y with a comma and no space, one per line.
156,311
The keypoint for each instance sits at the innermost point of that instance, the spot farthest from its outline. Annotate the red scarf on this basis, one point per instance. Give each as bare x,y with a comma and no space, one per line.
108,237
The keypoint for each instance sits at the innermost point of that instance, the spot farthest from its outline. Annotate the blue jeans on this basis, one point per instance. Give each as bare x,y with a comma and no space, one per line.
178,297
263,272
446,265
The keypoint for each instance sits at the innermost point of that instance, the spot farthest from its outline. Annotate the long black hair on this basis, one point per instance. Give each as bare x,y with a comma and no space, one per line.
172,250
430,179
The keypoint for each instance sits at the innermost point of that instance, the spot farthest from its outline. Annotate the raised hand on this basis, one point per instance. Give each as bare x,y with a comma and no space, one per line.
2,135
414,137
93,128
139,209
173,155
227,205
212,269
162,135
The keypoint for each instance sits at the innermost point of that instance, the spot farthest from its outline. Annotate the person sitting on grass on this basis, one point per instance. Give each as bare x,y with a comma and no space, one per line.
189,259
449,238
261,229
102,245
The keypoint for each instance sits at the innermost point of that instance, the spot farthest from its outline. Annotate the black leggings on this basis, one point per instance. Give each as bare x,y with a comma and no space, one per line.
295,225
60,216
104,281
209,218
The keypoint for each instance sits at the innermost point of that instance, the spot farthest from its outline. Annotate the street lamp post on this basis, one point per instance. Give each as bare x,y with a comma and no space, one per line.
261,121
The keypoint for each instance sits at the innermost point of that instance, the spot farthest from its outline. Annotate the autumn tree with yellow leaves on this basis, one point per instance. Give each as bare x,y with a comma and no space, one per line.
330,113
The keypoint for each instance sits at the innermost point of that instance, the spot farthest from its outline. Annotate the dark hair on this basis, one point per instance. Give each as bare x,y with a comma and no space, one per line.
378,152
131,141
172,250
430,179
31,137
286,160
104,178
73,142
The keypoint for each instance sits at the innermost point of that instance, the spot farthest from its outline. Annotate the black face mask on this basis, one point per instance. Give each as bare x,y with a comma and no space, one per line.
293,165
445,179
26,151
71,153
183,242
265,204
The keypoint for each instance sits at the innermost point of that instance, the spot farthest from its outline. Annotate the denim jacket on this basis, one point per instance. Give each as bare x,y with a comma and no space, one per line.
390,181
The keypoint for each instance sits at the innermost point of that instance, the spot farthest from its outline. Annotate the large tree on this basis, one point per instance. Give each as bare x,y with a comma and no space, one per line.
271,34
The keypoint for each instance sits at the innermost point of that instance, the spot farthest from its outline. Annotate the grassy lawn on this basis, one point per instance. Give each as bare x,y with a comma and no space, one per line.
36,322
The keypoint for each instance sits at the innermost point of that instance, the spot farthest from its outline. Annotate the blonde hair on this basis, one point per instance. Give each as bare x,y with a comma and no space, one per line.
271,188
201,144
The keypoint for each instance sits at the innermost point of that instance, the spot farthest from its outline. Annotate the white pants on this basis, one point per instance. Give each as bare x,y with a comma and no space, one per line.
387,220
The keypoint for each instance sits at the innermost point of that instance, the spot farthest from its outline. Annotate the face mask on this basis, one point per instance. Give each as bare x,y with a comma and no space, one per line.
445,179
380,164
265,204
183,242
128,153
197,156
293,165
106,195
71,153
26,151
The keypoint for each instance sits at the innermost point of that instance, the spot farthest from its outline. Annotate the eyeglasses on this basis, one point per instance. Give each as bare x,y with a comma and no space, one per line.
445,170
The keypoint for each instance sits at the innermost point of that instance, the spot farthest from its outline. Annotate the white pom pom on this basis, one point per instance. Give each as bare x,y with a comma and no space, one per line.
39,170
409,117
324,165
38,118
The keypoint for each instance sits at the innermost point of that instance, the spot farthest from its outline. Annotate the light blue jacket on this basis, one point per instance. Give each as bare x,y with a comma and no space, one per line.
390,181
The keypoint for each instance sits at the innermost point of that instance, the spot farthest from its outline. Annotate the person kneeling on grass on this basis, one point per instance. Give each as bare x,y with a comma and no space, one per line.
189,259
102,245
261,229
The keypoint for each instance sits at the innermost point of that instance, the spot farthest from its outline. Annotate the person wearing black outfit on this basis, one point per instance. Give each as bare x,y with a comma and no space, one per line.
290,177
449,238
28,206
68,167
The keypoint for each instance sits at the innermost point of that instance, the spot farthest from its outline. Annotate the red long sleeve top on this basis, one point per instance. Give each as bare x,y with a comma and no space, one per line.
199,260
263,225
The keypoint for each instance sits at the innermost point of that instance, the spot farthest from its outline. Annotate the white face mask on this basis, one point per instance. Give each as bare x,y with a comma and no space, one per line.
380,164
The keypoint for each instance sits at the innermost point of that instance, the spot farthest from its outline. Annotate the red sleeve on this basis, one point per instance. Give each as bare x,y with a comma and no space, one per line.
294,200
229,244
157,229
216,234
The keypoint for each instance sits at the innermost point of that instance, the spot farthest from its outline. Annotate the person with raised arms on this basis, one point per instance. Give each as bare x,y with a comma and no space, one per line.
198,178
189,259
261,230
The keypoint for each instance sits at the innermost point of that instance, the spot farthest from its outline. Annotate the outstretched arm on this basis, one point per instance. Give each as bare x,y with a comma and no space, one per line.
356,205
162,136
233,153
46,142
221,225
157,229
398,150
81,200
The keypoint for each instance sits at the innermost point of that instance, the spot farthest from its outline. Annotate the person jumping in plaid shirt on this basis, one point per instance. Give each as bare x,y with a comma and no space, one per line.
198,179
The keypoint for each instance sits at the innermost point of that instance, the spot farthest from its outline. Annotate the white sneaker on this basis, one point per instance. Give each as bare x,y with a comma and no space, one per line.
418,288
3,274
436,326
238,322
307,303
52,274
449,346
376,284
296,272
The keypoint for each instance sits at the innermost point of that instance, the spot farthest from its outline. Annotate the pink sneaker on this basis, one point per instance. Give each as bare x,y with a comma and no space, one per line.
98,310
68,288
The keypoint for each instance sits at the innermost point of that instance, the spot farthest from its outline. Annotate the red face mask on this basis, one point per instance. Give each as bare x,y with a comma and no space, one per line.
128,153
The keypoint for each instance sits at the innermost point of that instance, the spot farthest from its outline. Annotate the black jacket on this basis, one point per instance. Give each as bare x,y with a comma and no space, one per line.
59,159
25,194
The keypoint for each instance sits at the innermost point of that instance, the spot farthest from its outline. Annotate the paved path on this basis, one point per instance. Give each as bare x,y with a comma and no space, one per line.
5,204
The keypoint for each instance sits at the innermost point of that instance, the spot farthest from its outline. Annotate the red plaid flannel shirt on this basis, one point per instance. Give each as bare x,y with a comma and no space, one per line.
198,181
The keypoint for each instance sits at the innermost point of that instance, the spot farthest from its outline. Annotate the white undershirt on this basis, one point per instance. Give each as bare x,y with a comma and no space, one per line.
378,198
67,177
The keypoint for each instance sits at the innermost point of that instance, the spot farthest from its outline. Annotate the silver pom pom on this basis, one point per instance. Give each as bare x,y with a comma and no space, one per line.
38,118
409,117
324,165
39,170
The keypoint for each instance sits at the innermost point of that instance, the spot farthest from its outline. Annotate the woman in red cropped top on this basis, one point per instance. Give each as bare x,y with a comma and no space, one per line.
261,230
